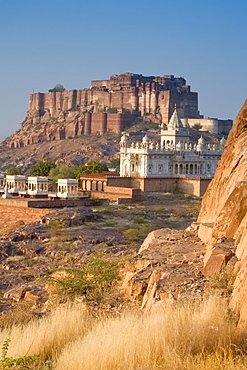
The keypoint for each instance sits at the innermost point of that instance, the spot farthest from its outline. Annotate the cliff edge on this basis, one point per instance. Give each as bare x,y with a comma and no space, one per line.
223,219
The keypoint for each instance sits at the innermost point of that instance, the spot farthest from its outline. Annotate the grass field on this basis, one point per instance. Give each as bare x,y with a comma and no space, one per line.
183,336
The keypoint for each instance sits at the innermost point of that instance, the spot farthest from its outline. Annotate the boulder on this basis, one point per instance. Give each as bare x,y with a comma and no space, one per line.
215,259
70,217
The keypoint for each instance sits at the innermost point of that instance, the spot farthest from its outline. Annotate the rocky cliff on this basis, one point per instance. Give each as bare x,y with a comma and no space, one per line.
223,218
223,206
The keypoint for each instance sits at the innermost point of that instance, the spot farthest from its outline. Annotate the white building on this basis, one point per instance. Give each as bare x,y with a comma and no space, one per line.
38,186
174,156
15,183
67,188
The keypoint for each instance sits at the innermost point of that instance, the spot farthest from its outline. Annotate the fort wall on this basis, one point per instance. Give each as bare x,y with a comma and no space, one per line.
58,115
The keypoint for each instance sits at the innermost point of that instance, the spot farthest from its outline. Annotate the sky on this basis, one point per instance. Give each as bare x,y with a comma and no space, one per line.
71,42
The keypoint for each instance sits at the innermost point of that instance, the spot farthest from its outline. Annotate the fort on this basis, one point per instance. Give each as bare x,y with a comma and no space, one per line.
110,106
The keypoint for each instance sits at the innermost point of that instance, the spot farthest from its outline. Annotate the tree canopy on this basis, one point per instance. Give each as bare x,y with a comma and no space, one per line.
115,163
94,167
57,88
62,171
42,168
13,170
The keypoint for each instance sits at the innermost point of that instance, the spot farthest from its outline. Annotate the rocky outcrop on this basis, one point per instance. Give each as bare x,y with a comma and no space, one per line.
223,213
224,204
168,267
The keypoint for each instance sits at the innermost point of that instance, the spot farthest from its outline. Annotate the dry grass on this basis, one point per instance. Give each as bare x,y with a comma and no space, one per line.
46,336
175,338
185,336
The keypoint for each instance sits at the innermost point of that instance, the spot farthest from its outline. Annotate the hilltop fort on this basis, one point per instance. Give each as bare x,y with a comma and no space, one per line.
109,106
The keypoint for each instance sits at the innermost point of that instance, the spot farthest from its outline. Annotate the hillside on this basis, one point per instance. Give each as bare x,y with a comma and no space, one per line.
79,150
76,151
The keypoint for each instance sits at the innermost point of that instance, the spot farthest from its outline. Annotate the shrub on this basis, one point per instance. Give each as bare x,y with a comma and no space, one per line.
223,281
13,170
96,277
42,168
197,126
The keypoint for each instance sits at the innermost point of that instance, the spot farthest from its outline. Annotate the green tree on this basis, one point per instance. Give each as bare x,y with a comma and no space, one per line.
42,168
197,126
62,171
94,167
115,163
57,88
13,170
77,171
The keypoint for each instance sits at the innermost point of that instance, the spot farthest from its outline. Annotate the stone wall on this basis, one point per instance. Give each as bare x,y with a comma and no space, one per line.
213,125
193,186
12,214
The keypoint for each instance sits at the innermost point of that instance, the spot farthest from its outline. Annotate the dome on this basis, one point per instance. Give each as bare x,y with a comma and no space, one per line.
200,145
124,139
222,141
201,141
179,146
199,148
145,139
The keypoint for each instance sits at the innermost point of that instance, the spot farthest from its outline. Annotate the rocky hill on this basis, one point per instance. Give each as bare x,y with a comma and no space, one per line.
79,150
223,215
75,151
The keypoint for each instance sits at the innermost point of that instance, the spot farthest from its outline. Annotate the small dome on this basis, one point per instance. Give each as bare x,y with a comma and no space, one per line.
222,141
179,146
199,148
145,139
201,141
124,139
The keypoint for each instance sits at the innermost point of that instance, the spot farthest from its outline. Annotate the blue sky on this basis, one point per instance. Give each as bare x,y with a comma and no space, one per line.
45,42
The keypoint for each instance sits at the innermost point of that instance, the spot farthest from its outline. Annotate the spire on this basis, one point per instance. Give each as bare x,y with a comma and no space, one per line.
175,122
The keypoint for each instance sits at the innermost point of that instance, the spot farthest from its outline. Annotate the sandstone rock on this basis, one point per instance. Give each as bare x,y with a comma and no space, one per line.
171,265
30,231
224,207
148,297
241,239
70,217
5,249
228,187
215,258
34,292
153,235
238,301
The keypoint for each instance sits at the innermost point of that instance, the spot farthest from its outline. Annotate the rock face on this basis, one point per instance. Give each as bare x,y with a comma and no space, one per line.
168,267
224,204
223,212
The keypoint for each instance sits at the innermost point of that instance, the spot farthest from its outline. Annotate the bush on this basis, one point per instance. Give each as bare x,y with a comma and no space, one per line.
94,167
13,170
57,88
197,126
42,168
96,277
